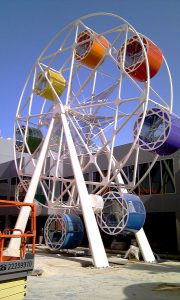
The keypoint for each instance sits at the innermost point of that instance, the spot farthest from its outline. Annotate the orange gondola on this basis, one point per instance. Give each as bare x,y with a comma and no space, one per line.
91,48
135,62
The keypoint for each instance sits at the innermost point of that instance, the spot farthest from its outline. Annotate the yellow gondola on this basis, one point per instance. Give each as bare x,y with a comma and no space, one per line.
43,87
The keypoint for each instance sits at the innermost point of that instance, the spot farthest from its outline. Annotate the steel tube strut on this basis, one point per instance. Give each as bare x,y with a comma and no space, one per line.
14,244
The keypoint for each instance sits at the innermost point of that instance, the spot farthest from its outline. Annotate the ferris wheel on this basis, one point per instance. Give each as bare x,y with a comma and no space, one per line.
93,89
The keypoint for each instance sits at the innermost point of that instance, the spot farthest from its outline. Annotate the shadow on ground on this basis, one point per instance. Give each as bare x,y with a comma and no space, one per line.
165,267
153,290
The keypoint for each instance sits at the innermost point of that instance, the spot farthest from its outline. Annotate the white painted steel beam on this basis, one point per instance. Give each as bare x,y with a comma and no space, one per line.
94,237
144,246
141,238
14,244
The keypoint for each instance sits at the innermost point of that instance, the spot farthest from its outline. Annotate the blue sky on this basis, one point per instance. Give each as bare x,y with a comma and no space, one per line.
26,26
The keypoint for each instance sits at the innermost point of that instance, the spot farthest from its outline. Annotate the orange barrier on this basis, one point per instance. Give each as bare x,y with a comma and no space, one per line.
10,233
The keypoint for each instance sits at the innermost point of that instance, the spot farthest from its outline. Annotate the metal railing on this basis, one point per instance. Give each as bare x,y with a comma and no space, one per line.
9,233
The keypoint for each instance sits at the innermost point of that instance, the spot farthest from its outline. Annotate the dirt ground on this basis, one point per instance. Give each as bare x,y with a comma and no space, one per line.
70,276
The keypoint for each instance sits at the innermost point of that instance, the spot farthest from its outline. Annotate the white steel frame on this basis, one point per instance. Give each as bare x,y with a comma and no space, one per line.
55,218
76,129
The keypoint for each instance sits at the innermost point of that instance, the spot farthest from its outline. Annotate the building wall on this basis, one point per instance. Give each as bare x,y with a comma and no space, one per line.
6,150
162,208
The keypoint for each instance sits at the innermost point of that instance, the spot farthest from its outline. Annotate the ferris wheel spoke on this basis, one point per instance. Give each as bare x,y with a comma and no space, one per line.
155,103
25,104
79,133
162,103
134,179
87,81
120,127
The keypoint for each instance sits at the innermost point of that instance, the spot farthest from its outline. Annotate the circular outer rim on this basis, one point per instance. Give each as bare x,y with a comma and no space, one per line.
17,130
25,185
76,22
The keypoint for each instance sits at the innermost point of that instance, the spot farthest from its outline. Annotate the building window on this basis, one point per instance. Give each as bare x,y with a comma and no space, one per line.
14,183
144,187
156,180
130,173
4,188
96,177
86,178
131,178
125,175
160,180
168,176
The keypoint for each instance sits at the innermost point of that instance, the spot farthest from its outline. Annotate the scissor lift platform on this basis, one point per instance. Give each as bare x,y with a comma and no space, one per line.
14,270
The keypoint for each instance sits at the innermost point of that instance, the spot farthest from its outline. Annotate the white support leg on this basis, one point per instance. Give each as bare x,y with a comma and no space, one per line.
141,238
14,244
144,246
94,237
